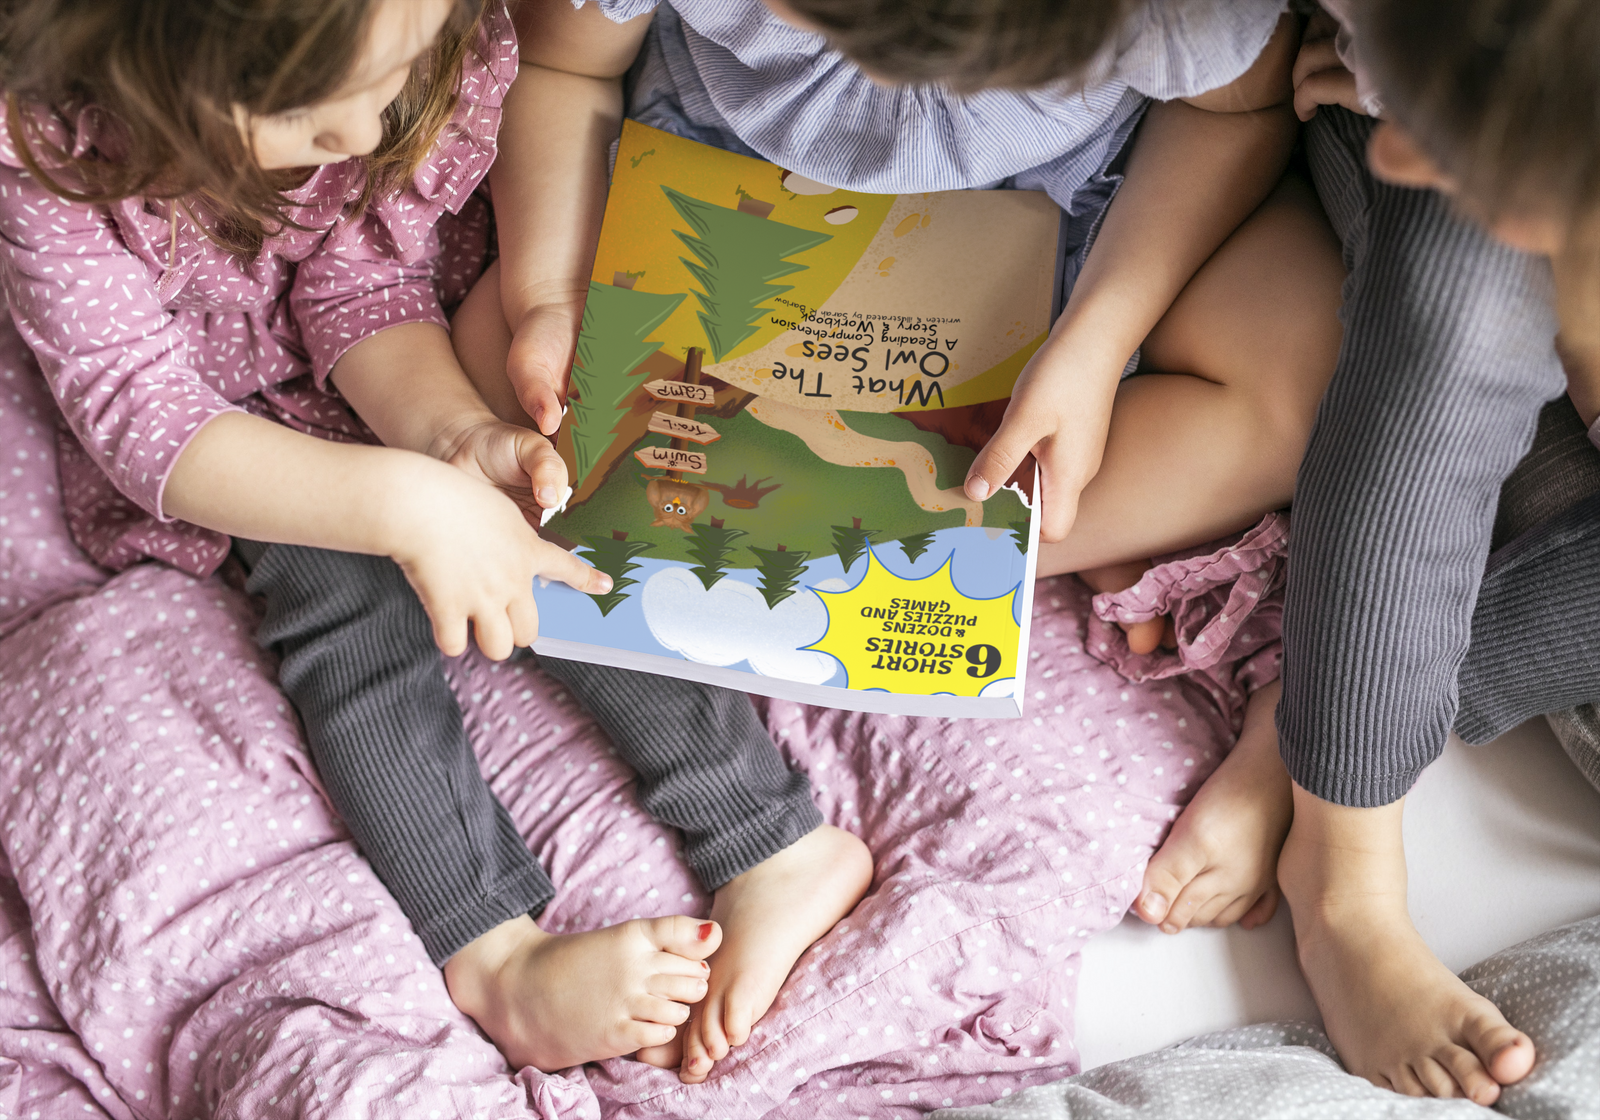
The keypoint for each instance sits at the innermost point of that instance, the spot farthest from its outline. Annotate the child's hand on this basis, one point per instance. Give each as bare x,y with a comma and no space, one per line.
521,463
1320,76
471,556
1060,412
542,344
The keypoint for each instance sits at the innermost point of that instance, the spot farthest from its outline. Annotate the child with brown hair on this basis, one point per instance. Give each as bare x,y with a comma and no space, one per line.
1484,174
1190,259
218,227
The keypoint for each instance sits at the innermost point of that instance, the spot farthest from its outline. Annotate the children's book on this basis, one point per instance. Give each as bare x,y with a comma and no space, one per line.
777,393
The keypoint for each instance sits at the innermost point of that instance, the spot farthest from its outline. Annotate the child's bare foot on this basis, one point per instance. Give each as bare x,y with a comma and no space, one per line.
1143,637
1219,864
552,1001
769,916
1397,1016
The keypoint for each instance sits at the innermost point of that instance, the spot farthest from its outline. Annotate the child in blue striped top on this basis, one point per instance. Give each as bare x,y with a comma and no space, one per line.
1192,261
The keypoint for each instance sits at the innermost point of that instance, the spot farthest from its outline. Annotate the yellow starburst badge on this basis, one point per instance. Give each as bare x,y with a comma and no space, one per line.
919,636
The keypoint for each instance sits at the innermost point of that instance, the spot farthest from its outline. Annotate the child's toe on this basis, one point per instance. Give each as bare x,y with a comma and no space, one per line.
1505,1052
738,1019
692,938
696,1062
1197,896
1437,1080
666,1056
637,1036
654,1009
713,1030
1261,912
681,989
1170,870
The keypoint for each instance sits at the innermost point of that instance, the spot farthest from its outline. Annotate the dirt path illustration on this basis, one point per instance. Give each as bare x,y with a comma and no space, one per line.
831,440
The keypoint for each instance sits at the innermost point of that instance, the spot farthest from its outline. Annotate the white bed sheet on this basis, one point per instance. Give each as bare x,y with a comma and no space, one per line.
1502,842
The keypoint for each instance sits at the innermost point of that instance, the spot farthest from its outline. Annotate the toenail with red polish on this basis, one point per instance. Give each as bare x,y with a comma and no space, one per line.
705,930
703,965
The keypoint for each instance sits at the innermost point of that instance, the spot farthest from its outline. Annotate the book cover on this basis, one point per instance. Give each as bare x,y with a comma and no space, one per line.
776,395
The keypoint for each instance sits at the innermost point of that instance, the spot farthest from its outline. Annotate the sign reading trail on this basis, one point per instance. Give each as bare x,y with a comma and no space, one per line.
669,425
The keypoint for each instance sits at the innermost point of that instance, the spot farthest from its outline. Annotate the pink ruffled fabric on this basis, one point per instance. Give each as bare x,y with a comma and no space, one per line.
1226,603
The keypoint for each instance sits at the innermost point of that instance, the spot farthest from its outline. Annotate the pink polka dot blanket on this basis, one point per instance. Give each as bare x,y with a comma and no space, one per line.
187,930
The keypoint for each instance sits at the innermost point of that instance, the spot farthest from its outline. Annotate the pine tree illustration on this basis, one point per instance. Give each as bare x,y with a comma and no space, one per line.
851,544
780,570
1019,535
915,545
611,346
739,255
614,555
711,546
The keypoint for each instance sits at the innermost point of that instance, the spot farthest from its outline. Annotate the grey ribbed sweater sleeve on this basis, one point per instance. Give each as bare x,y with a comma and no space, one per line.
1447,357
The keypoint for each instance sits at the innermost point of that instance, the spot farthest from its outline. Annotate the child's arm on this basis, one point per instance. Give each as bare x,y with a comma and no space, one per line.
115,361
1198,168
561,116
466,548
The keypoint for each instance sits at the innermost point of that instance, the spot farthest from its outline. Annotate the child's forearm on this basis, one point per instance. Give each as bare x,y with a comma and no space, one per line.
1192,179
1196,171
549,185
407,386
249,477
550,179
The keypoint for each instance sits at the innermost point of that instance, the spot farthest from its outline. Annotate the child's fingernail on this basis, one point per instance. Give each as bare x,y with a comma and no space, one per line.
705,930
1169,928
602,584
1153,906
977,488
547,496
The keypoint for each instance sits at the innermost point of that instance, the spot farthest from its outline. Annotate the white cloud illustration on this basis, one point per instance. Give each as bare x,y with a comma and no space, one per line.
731,623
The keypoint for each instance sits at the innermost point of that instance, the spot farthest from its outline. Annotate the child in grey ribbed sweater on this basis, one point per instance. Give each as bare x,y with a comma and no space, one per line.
1394,630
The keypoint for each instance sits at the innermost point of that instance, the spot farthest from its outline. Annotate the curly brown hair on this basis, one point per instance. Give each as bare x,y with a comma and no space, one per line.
163,78
968,45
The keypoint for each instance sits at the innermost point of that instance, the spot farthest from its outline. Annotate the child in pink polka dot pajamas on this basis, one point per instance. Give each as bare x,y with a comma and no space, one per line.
227,233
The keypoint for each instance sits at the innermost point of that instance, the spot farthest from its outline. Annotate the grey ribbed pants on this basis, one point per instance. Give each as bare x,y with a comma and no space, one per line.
386,735
1536,629
1447,360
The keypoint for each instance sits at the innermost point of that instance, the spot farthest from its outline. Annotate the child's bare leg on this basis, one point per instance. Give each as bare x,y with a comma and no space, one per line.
552,1001
1398,1017
1209,447
1219,864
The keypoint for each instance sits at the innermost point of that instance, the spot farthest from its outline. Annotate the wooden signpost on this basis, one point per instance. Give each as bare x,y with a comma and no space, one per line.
681,424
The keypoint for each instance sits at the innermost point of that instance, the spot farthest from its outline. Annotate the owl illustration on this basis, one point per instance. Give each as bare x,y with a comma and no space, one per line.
676,504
